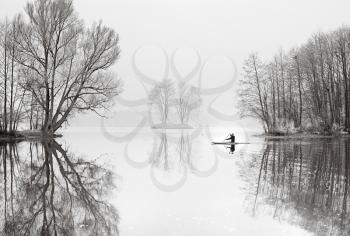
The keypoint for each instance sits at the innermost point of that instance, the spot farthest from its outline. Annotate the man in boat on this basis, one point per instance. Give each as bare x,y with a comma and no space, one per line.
231,137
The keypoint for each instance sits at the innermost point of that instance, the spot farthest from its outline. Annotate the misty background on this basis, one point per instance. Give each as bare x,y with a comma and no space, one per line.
216,29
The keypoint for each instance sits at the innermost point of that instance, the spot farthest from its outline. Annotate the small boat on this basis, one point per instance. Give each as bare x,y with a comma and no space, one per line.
226,143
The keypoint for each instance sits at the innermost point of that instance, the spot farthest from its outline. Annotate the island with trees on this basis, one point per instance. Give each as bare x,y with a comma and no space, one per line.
182,99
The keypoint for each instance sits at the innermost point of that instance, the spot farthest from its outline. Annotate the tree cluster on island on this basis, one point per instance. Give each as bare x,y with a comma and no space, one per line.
304,90
52,66
184,99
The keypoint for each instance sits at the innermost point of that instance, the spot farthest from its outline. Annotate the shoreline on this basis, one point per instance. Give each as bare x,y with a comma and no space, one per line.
171,126
301,135
27,135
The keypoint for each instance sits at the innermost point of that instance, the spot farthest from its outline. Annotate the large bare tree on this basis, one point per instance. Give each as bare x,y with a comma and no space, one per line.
253,91
66,63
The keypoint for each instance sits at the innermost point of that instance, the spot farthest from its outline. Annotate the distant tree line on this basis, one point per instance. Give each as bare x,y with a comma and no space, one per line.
307,88
53,66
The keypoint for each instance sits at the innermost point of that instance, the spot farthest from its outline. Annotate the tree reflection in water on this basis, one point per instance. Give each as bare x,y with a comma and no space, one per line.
303,183
181,155
47,191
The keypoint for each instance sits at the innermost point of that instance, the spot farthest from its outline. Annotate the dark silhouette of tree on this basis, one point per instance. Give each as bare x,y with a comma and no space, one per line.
303,183
54,193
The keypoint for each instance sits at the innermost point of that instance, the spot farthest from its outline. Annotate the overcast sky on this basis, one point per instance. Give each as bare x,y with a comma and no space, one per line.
216,28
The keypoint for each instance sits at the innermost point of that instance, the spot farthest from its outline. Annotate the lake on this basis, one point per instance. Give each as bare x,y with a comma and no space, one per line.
150,182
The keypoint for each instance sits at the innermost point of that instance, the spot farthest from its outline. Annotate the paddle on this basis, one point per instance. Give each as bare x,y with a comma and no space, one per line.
227,143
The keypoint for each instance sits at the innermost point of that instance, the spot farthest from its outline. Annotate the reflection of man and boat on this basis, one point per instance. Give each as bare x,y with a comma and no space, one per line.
231,137
229,143
163,141
48,191
184,148
183,142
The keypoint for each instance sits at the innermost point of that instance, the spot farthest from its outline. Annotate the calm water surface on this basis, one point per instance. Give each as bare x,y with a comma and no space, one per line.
174,183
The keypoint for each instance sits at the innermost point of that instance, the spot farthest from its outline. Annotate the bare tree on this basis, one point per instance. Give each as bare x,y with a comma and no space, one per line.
11,91
162,97
299,91
253,91
68,62
4,73
188,100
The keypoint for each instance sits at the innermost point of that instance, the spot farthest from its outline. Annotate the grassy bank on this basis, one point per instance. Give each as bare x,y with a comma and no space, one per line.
304,134
27,135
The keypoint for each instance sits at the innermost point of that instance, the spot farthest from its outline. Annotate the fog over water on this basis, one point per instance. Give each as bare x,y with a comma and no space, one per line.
215,28
123,175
